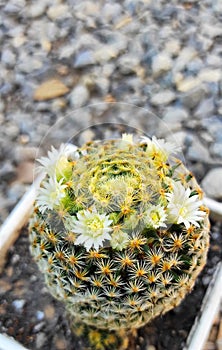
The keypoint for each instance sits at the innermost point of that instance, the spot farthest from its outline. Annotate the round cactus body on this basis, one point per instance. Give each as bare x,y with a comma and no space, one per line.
119,230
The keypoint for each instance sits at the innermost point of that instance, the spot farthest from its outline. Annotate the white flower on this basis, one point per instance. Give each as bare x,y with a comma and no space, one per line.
57,160
50,194
120,240
160,148
182,208
93,228
155,216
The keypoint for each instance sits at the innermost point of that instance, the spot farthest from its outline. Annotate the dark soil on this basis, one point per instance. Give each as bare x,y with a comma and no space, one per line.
36,320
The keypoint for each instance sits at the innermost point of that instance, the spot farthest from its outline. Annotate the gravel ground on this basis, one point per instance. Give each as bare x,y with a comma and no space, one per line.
65,66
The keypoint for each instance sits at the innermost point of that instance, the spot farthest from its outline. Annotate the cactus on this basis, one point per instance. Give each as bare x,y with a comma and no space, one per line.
119,230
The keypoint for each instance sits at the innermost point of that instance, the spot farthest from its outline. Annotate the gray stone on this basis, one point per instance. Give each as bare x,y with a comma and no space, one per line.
84,58
13,8
186,55
198,152
175,115
36,9
161,63
173,47
8,58
60,11
29,64
41,339
7,171
211,183
216,149
2,106
111,11
211,30
128,64
217,6
191,98
163,98
79,96
18,304
205,108
210,75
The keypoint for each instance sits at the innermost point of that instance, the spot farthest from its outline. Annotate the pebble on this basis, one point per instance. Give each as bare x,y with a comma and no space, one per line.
161,63
205,108
192,98
216,149
60,11
79,96
84,58
128,64
198,152
18,304
8,58
7,171
36,9
175,115
211,183
40,315
50,89
210,75
188,84
163,98
41,339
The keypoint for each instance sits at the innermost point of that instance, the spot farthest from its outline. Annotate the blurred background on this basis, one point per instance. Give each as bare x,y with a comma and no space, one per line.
73,60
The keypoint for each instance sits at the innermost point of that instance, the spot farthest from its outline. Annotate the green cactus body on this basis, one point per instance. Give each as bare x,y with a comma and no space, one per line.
109,236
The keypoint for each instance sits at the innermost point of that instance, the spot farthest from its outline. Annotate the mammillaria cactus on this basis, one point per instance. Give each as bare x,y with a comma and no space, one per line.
119,230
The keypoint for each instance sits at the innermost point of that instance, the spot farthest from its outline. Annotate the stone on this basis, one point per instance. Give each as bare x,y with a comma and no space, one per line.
161,63
18,304
163,98
217,6
128,64
211,30
66,51
205,108
50,89
216,149
175,115
86,136
79,96
41,339
185,56
14,8
111,11
173,47
198,152
210,75
2,106
36,9
25,172
29,64
187,84
8,58
40,315
49,312
84,58
211,183
60,11
105,53
192,98
7,171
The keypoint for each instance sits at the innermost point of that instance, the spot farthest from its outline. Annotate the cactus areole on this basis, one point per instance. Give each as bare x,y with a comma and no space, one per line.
119,230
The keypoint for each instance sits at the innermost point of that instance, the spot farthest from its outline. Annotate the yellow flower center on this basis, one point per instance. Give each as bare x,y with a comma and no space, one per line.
95,225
